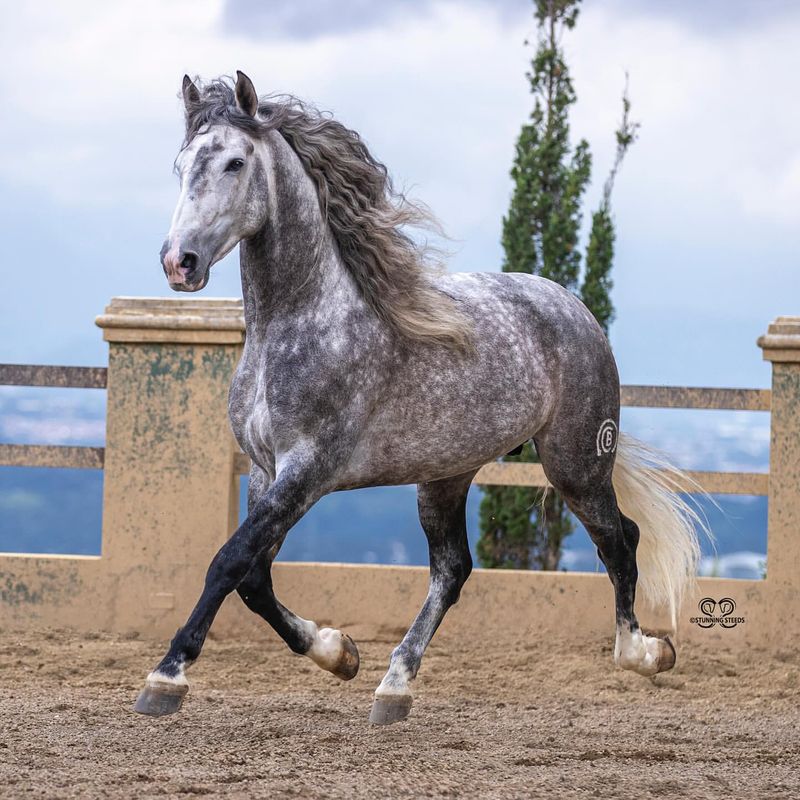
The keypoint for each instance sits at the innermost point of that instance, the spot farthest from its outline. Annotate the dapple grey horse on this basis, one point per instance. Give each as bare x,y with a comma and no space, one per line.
362,366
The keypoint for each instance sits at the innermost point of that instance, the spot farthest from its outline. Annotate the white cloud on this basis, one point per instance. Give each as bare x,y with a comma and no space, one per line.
726,441
441,94
21,500
771,194
18,428
52,416
713,108
399,552
434,95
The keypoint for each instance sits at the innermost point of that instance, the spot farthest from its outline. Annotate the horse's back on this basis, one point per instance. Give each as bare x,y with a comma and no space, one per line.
529,322
529,308
442,413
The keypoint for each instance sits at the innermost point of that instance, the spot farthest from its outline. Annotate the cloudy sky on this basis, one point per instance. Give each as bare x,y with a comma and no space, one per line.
707,206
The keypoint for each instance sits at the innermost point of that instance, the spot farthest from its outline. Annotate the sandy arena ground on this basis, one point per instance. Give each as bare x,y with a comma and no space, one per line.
548,719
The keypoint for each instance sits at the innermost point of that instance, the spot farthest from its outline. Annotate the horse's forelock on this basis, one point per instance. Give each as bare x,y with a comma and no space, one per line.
217,105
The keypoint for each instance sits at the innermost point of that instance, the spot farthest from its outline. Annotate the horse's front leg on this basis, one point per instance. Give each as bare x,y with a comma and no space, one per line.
294,491
330,649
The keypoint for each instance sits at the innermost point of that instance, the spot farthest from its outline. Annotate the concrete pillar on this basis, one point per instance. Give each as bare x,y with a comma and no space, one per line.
170,496
781,346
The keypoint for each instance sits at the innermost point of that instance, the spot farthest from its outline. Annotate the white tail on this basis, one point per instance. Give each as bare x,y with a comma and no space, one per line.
647,486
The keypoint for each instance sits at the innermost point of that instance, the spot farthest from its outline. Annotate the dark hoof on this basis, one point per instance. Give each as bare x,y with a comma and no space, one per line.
158,700
666,655
390,708
347,667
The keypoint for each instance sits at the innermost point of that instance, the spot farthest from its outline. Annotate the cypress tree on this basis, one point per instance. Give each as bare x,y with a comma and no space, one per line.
540,237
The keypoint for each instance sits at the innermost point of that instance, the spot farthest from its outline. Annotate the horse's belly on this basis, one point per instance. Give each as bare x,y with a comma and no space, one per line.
415,443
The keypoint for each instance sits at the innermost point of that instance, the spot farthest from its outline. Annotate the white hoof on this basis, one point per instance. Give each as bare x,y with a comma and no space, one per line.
645,655
335,652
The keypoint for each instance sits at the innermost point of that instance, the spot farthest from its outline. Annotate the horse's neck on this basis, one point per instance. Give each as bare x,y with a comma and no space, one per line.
293,262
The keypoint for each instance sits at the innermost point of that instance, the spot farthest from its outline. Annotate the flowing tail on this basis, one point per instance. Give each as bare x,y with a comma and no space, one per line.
648,489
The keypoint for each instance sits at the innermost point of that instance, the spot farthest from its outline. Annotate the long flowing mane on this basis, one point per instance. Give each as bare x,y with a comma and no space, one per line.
368,218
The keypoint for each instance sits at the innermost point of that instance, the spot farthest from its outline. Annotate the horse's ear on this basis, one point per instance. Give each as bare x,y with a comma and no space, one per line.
246,97
191,96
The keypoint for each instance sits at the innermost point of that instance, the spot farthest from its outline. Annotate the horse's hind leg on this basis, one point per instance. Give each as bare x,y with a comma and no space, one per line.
442,506
581,472
330,649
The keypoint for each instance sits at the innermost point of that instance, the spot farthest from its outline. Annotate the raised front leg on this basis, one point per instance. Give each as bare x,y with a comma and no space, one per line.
442,506
330,649
294,491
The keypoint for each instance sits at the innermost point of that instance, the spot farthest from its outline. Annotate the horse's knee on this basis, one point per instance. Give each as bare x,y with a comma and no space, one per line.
251,597
464,572
255,585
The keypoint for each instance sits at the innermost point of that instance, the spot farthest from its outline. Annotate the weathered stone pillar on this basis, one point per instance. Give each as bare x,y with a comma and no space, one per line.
170,496
781,346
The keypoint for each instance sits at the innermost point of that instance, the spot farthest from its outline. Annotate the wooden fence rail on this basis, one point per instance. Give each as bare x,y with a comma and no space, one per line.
53,376
496,474
46,455
695,397
503,474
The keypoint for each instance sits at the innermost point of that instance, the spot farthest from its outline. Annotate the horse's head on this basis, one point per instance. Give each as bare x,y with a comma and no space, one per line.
223,188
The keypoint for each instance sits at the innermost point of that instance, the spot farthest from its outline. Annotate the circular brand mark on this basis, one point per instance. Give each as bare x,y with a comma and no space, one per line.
607,437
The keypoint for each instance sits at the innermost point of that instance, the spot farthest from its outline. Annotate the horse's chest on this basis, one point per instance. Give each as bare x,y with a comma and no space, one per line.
250,418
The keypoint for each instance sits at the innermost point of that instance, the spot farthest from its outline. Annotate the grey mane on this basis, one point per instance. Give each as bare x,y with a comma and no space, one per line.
366,215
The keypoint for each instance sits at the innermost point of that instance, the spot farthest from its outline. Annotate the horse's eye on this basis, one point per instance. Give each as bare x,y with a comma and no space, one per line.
235,165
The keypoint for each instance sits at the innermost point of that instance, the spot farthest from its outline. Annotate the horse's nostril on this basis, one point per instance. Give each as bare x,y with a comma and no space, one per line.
189,261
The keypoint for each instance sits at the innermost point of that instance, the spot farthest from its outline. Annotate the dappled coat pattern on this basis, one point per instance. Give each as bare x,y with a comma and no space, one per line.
364,366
